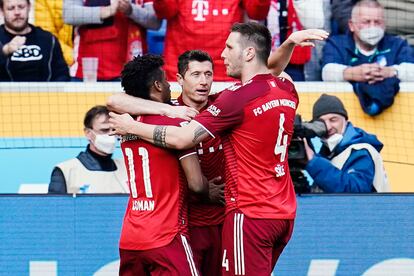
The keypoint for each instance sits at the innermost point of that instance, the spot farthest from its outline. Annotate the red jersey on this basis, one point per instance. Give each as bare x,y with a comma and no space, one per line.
157,207
256,124
211,155
203,25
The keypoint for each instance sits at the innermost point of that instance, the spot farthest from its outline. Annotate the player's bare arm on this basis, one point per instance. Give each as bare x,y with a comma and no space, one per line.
195,178
166,136
279,59
123,103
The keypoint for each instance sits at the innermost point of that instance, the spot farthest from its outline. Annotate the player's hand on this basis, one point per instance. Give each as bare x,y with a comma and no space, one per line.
14,45
216,191
120,123
183,112
309,152
305,37
125,7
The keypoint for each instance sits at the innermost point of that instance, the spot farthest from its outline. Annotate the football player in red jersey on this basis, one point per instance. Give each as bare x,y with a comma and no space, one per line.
153,238
255,119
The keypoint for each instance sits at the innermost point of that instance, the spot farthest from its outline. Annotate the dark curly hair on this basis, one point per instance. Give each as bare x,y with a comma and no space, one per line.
139,75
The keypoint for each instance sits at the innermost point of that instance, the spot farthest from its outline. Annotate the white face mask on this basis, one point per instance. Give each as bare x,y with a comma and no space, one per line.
333,141
371,35
105,143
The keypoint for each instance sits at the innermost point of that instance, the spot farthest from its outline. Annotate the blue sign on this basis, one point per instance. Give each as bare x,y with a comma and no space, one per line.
334,235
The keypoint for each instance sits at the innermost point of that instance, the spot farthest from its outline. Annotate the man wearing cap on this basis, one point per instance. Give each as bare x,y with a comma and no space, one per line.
349,159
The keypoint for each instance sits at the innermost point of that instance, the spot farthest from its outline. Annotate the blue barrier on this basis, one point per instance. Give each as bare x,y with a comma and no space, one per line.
334,235
31,160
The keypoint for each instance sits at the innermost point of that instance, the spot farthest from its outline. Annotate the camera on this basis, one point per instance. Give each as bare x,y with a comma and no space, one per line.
297,155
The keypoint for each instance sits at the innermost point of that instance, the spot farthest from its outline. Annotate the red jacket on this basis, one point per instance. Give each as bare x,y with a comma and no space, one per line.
113,45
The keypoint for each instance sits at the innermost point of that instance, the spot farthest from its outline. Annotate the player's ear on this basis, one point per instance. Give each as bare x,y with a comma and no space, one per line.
88,133
180,79
250,53
158,86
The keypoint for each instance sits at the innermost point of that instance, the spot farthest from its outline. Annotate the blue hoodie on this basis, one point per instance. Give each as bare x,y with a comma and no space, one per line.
357,174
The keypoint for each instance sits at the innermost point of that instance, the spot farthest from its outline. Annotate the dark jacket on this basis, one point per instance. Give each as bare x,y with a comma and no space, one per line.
357,174
40,59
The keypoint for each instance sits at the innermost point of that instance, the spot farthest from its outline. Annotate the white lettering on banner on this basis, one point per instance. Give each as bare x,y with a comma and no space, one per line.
392,267
213,110
43,268
143,205
108,269
322,267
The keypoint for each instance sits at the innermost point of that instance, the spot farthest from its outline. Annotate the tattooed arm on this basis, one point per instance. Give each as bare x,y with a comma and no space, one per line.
164,136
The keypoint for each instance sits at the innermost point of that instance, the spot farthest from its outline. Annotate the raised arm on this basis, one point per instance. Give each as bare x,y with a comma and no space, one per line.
123,103
279,59
163,136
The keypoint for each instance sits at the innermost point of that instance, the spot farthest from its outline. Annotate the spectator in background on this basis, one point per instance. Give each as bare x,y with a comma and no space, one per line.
94,170
48,16
111,30
204,25
341,13
28,53
287,16
349,160
374,63
313,69
398,17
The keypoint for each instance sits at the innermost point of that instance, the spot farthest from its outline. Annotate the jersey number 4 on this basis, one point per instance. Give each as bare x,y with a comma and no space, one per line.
281,146
145,170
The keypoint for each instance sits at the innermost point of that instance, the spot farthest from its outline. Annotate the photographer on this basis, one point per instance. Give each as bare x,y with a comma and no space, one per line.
349,159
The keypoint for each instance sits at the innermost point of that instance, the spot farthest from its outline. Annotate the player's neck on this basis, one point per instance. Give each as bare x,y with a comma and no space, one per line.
193,104
250,71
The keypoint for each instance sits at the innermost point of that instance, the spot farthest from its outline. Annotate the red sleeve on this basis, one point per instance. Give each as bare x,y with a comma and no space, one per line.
166,8
223,114
257,9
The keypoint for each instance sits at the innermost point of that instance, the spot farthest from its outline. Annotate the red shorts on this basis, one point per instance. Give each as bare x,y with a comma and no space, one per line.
206,245
173,259
252,246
